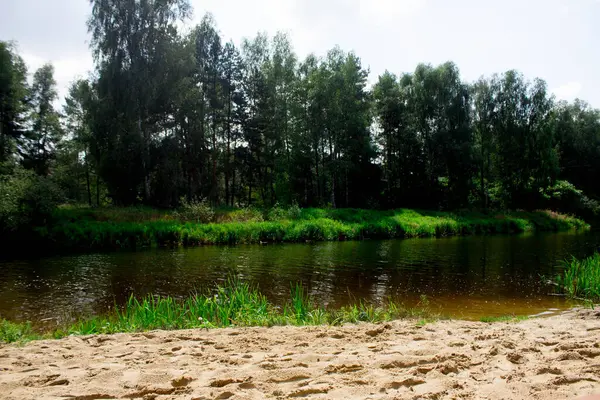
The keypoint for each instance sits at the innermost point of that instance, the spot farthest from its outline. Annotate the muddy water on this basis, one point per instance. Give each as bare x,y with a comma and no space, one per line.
465,277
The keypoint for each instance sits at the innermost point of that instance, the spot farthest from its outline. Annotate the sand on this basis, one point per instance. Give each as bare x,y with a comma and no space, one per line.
543,358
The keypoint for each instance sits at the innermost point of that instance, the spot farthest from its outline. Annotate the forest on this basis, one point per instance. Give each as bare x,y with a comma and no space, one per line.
172,115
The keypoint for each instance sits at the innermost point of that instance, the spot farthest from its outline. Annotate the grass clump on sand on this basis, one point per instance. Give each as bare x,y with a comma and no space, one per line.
16,332
233,304
114,228
581,278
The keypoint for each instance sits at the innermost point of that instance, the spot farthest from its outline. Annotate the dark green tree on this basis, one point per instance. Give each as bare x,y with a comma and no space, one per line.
39,145
14,93
129,40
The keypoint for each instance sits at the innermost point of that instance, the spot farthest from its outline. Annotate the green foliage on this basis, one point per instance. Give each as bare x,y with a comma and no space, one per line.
561,191
14,92
576,127
564,196
184,114
247,214
13,189
234,303
113,228
581,278
195,211
12,332
38,146
40,200
26,199
279,213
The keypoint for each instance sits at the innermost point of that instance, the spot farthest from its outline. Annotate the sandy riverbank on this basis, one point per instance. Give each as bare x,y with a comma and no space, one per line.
542,358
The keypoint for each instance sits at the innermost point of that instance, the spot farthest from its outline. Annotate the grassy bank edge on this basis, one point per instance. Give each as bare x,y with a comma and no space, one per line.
234,304
21,333
93,231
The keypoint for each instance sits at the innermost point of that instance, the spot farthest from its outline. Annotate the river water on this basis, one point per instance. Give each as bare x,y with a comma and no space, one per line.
462,277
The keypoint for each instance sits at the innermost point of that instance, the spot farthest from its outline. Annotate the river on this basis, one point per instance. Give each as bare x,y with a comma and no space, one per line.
462,277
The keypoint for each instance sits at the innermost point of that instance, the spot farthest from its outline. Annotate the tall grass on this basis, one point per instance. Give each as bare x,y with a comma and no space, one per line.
581,278
15,332
232,304
102,229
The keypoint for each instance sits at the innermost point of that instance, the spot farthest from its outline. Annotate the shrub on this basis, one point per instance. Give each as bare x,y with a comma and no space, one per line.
247,214
276,213
12,192
565,197
40,200
26,199
196,211
294,212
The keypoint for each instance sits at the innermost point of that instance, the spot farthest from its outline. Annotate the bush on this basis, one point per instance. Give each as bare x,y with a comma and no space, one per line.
26,199
196,211
565,197
561,192
40,200
294,212
12,192
247,214
277,213
590,208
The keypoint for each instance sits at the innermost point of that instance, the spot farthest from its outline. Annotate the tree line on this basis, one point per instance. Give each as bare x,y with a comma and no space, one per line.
170,116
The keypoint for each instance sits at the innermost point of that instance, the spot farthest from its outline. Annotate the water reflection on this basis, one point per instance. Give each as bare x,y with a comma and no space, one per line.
463,277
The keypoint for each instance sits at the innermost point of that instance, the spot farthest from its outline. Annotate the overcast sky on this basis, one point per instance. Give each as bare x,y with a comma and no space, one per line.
556,40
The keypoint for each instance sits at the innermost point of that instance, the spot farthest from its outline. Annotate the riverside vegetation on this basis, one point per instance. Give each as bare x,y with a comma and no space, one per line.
254,126
581,278
231,304
190,116
86,229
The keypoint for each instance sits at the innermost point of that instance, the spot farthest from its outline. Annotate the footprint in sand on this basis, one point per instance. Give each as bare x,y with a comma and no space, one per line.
409,382
343,368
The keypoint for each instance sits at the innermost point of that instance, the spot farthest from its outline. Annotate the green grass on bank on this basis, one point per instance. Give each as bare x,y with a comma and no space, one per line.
233,304
581,278
17,332
113,228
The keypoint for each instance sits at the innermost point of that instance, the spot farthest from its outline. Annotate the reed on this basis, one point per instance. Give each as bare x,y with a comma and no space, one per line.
232,304
581,278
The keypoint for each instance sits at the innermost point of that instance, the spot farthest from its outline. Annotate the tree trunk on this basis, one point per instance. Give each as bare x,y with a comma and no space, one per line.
233,184
318,177
482,183
145,158
87,180
388,168
347,189
333,192
228,161
333,175
97,189
214,189
249,193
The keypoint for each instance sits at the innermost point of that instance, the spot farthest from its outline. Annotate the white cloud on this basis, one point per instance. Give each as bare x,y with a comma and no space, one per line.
568,91
387,11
